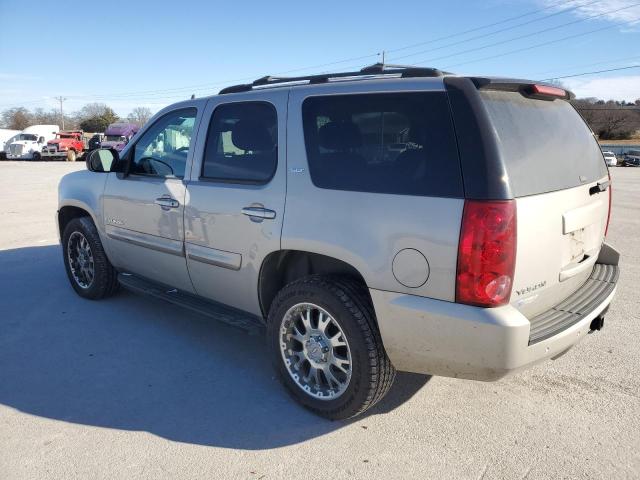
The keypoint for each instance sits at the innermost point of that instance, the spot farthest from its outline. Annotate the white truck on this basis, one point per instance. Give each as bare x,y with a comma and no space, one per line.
6,136
28,144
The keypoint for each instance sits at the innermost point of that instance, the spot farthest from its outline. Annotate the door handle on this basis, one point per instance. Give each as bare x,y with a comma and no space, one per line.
167,202
259,212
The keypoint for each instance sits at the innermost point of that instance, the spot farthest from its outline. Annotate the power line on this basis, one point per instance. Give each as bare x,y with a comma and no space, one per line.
482,27
551,42
592,73
584,65
502,30
537,32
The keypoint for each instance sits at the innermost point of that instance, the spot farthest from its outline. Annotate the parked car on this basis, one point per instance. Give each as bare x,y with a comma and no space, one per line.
117,135
631,159
67,145
28,145
610,158
6,137
403,260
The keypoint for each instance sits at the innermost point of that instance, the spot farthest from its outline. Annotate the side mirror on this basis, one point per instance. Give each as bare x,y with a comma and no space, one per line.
102,160
41,140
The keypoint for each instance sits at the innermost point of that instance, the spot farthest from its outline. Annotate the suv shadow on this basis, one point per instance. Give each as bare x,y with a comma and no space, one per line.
133,363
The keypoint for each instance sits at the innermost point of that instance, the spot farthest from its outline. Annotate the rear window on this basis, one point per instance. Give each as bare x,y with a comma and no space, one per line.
546,146
399,143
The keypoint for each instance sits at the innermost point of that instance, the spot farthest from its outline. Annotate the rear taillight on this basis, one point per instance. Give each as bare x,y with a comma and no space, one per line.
486,253
606,229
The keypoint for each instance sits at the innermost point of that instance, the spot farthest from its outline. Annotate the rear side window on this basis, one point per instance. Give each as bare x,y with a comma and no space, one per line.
242,143
399,143
545,145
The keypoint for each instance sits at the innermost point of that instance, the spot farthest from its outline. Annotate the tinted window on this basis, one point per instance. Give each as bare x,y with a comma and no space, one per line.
162,150
242,143
400,143
546,146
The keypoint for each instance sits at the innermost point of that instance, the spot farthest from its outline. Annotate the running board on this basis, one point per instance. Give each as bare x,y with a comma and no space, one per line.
229,315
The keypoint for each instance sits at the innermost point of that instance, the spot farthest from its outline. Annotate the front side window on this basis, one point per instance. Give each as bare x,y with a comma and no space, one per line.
242,143
162,150
396,143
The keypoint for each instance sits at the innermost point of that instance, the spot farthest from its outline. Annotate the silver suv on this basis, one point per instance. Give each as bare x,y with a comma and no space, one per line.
391,218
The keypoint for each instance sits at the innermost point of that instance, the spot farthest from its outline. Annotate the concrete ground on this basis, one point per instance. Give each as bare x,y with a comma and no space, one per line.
129,388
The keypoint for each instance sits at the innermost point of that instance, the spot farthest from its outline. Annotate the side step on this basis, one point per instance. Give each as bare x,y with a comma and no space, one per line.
229,315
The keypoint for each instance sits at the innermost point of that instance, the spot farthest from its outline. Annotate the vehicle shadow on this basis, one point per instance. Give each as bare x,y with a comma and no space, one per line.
134,363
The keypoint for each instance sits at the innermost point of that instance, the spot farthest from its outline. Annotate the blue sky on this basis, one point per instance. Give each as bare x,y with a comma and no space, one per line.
152,53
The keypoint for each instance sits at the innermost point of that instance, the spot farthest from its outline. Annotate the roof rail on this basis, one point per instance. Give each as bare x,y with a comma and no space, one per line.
377,69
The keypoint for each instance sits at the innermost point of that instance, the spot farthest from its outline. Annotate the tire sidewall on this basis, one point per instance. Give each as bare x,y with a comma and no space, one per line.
85,226
356,392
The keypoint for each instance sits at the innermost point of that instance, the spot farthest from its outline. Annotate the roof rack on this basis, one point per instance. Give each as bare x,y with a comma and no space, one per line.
377,69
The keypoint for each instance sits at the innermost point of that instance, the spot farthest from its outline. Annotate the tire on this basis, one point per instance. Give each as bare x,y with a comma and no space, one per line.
347,302
104,281
37,157
71,156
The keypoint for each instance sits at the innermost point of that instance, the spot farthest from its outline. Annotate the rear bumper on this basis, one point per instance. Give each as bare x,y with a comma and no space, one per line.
424,335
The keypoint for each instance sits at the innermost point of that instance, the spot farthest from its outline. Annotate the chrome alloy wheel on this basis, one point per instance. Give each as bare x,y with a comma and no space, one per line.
80,260
315,351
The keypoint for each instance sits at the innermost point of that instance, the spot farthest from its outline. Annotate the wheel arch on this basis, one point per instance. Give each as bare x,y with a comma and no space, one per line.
282,267
68,212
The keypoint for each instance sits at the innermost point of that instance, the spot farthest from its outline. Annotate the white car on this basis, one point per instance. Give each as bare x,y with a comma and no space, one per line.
610,158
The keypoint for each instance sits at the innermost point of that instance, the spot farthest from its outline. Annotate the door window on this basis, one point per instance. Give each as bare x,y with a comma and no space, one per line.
242,143
162,150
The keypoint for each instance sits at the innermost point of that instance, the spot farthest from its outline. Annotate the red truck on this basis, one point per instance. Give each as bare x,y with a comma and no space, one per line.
68,144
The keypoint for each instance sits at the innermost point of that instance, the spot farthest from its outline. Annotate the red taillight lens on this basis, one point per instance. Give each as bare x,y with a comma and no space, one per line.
486,253
547,90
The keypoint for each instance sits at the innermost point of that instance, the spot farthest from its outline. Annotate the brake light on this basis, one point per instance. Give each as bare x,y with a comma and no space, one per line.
547,90
606,229
486,253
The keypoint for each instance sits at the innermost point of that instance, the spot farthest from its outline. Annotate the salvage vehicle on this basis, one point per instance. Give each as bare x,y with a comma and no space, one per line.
390,218
631,159
68,145
28,145
117,135
610,158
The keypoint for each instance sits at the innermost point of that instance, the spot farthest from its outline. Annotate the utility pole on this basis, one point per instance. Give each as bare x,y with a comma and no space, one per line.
61,99
383,58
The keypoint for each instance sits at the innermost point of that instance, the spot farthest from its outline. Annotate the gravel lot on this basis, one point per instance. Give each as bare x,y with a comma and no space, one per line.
129,388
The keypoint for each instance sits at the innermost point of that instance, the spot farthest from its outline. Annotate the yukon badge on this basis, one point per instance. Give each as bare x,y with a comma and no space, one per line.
114,221
531,288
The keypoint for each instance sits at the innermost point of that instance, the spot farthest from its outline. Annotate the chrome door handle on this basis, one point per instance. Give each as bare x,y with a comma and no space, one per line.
167,202
259,212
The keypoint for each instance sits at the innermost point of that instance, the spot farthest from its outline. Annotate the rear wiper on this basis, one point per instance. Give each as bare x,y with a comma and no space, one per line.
599,187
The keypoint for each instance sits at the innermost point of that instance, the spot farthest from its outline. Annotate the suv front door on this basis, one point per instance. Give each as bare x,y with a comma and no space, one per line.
236,195
144,209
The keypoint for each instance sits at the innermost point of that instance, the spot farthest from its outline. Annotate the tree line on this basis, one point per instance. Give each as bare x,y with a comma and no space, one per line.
93,117
610,120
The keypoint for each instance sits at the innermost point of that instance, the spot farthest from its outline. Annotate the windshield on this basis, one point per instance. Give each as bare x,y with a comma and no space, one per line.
66,136
27,136
114,138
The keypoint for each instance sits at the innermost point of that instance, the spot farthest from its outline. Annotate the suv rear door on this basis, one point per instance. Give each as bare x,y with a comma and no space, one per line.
557,174
236,195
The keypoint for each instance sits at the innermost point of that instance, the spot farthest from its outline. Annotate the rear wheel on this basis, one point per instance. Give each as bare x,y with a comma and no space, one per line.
71,156
326,348
88,268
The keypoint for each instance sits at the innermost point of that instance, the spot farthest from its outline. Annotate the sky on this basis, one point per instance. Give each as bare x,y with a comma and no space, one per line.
154,52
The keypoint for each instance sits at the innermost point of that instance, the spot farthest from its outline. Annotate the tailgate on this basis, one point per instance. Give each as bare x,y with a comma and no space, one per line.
558,176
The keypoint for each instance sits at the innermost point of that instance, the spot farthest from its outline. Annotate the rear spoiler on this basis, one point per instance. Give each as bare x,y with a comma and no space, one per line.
528,88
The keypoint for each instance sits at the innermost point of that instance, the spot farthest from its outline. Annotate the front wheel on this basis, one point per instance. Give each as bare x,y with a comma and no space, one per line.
36,156
71,156
91,274
325,346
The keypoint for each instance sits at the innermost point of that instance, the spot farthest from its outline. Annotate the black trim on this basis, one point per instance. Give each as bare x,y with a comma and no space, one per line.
483,169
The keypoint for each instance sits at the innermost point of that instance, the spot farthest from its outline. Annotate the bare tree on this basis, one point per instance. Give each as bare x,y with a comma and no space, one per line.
140,116
17,118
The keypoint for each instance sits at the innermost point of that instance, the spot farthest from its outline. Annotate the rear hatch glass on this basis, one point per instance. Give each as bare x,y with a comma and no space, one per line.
546,145
552,164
